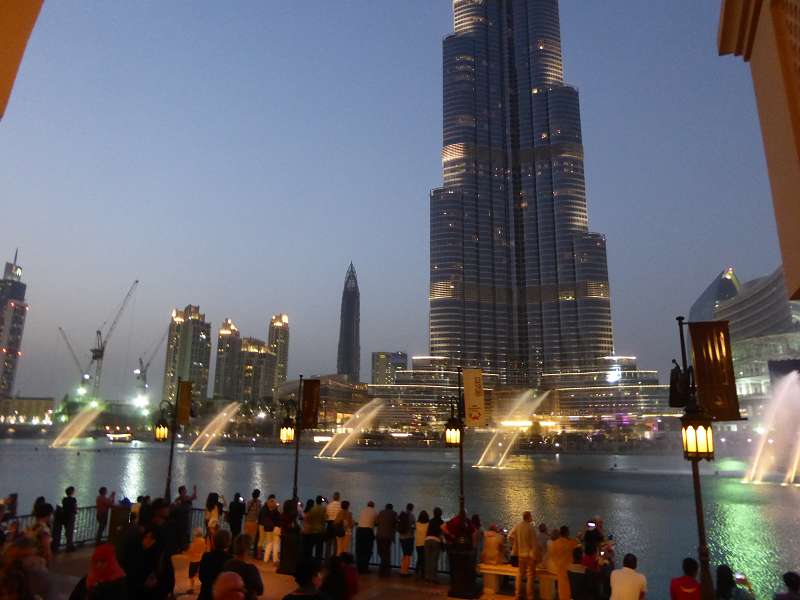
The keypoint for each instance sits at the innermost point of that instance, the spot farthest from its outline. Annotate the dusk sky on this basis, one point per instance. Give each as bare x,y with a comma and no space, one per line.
239,156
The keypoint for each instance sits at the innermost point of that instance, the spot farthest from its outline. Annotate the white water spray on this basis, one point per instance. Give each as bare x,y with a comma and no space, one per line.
214,428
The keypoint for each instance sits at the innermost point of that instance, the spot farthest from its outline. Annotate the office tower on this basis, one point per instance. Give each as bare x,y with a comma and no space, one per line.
723,287
188,353
13,311
349,357
226,373
386,364
256,371
518,284
278,338
767,35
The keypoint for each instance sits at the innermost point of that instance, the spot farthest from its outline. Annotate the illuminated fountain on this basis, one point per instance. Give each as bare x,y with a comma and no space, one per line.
214,428
503,440
778,449
352,429
77,425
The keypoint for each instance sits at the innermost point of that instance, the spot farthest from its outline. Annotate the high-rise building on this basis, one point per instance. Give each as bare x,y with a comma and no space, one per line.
518,284
256,370
13,311
385,366
766,33
349,357
723,287
226,373
278,338
188,353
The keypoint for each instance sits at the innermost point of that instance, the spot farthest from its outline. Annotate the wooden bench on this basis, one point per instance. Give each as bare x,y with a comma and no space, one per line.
491,579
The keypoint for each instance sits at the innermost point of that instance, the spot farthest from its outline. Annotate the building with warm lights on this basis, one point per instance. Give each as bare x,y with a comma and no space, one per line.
30,411
278,339
256,371
188,353
13,311
518,284
766,34
338,399
348,359
227,369
386,364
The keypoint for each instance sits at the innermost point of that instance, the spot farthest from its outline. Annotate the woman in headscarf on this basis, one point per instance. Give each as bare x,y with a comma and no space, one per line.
106,579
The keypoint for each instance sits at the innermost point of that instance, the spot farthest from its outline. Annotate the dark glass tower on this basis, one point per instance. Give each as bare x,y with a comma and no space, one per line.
519,286
13,310
348,361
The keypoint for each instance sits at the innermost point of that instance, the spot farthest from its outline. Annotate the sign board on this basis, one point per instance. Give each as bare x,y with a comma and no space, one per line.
713,370
184,402
474,400
310,404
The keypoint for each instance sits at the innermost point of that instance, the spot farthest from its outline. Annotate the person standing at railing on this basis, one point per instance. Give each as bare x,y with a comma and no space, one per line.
213,515
365,536
183,514
103,504
343,526
386,530
251,517
525,546
269,527
406,523
433,545
420,533
69,506
331,512
236,510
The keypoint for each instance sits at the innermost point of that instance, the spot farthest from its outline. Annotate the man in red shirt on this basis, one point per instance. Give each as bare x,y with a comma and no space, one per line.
686,587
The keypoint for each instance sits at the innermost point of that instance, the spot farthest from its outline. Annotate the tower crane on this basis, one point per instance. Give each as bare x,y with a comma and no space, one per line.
141,372
84,371
99,350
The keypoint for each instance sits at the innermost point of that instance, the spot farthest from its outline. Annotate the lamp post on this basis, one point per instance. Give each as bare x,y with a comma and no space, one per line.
297,434
698,444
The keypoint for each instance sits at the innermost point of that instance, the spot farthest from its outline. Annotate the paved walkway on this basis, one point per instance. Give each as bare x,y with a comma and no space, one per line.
73,566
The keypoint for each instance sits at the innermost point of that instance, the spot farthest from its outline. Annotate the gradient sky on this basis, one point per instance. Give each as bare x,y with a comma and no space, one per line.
240,158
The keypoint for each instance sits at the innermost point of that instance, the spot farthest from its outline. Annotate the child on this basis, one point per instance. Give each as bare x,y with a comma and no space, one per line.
195,554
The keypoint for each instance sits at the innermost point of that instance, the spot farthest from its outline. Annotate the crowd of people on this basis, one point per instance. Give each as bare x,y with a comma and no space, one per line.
313,542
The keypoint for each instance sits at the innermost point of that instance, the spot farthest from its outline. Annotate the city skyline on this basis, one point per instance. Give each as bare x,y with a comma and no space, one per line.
642,191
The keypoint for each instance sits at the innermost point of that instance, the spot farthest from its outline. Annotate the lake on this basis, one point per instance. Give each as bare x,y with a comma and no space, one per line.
646,501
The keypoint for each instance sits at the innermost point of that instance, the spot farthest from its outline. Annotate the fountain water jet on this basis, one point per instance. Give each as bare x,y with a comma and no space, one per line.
352,428
77,426
781,432
214,427
526,402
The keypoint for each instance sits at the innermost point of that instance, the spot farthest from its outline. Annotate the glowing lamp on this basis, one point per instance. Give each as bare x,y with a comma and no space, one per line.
452,432
287,431
698,437
161,431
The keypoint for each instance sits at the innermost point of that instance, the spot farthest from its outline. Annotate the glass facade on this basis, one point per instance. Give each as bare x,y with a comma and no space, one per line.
188,353
13,311
518,285
226,373
278,338
385,366
348,360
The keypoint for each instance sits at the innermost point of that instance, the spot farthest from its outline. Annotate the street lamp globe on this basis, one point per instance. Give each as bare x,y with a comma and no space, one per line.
287,431
452,432
697,435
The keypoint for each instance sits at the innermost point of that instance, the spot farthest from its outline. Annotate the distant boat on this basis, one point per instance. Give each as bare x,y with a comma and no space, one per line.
120,438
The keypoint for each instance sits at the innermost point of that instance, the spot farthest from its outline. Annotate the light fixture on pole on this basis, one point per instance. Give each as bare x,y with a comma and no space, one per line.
161,430
452,431
287,431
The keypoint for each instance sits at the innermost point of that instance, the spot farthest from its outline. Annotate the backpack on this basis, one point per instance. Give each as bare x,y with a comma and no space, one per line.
403,523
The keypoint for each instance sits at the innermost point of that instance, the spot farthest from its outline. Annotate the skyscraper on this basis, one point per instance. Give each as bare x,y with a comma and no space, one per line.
256,371
278,338
188,353
349,357
518,284
386,364
226,373
13,311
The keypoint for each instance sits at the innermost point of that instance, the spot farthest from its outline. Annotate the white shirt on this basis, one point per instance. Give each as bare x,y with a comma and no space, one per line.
367,517
332,510
627,584
524,541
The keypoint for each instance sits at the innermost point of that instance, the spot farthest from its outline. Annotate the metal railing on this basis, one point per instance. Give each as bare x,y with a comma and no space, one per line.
85,532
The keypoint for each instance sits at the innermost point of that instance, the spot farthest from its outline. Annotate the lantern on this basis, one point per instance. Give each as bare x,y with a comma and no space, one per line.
287,431
452,432
698,437
161,431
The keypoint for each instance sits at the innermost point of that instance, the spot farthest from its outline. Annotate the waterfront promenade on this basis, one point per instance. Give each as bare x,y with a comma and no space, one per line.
71,567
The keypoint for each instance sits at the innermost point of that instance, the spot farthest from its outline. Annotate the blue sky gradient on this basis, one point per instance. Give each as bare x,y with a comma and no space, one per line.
239,158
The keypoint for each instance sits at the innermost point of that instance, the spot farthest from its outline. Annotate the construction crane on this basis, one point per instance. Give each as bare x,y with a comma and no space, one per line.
83,371
141,372
99,350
